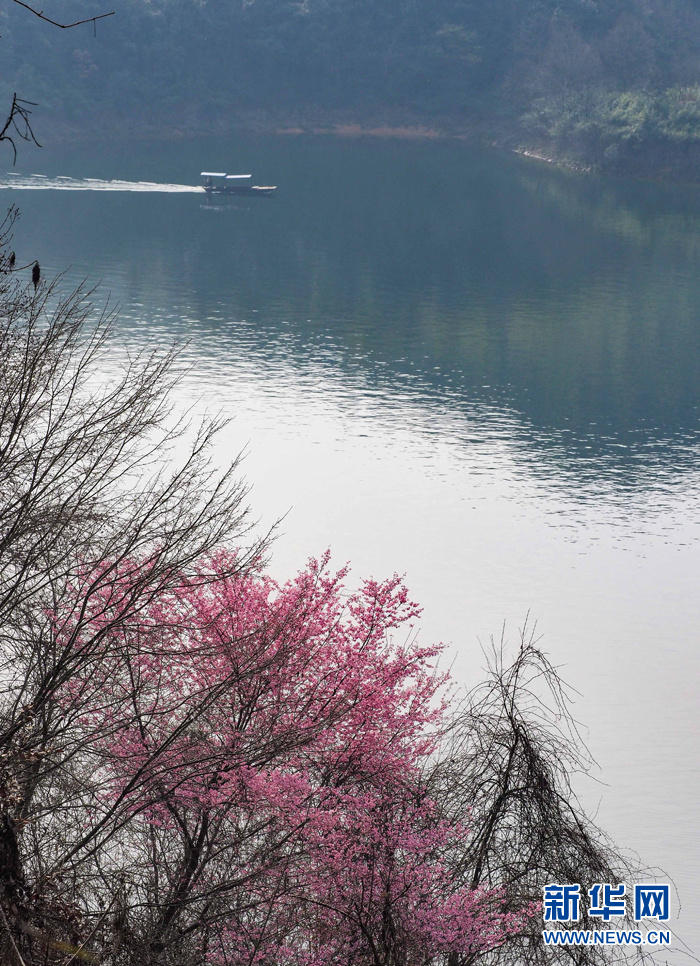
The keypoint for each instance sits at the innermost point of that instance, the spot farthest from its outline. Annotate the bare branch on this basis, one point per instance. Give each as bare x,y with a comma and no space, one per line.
55,23
18,119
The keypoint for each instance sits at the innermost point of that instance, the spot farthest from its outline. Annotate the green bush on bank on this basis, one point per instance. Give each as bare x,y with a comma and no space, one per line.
601,127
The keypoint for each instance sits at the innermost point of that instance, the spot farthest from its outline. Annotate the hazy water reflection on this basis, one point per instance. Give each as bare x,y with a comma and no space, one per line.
461,365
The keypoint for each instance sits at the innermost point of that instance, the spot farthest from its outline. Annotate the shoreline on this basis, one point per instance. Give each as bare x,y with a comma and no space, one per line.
644,162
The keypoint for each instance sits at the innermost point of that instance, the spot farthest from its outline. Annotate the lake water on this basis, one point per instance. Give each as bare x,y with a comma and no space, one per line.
459,365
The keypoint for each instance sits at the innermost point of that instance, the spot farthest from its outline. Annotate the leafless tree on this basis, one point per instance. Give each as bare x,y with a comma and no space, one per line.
91,510
506,770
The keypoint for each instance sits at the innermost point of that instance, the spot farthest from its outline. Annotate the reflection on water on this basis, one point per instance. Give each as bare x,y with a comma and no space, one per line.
461,365
476,283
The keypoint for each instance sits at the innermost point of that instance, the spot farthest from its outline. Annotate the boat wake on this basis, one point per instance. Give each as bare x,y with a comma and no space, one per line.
40,182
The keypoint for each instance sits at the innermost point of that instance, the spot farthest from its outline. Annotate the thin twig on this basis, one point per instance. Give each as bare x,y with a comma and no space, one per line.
63,26
19,109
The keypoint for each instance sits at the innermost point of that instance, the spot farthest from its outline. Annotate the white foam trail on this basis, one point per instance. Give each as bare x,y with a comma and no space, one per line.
40,182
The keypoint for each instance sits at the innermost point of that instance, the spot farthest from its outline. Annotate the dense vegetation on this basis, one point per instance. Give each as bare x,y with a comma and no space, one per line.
597,77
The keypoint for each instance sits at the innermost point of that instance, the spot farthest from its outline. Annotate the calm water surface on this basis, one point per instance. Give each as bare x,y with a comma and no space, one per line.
457,365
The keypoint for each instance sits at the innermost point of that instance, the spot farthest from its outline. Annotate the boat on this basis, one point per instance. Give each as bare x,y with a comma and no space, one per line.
220,183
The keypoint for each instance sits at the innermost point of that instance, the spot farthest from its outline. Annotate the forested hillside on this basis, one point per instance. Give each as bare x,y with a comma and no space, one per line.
602,80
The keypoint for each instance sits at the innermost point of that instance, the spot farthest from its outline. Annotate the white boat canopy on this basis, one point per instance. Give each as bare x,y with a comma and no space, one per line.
213,174
229,176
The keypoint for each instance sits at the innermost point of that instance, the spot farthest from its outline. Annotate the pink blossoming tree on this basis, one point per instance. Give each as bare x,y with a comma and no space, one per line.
261,751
